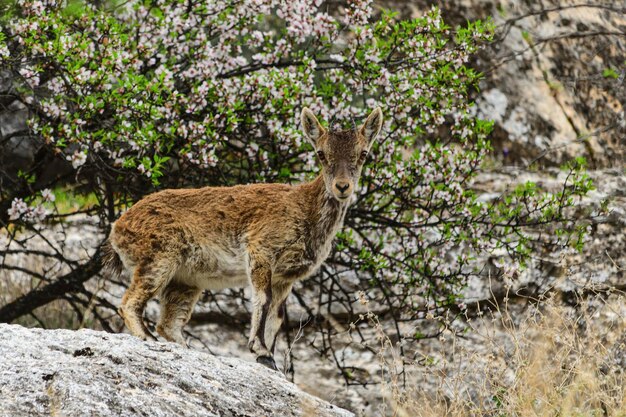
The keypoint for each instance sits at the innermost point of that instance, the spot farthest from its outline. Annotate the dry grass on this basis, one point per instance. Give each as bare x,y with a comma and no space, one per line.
542,359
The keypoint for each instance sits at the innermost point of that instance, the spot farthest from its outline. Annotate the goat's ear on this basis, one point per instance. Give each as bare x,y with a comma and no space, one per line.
373,124
313,130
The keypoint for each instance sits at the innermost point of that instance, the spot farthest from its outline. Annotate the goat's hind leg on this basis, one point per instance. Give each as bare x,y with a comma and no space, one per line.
145,284
177,301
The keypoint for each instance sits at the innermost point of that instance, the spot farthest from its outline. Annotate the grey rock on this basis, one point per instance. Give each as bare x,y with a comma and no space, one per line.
12,122
90,373
22,147
17,105
18,153
6,82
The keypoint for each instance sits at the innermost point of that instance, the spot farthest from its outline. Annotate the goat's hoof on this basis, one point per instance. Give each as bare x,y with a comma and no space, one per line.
149,337
267,361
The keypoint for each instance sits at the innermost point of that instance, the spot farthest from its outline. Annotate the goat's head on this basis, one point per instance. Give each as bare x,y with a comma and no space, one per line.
341,153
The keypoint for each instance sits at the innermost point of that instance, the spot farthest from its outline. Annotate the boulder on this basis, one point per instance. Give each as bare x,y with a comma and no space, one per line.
91,373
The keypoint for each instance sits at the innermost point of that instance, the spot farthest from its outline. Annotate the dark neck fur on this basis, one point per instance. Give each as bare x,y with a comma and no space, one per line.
325,212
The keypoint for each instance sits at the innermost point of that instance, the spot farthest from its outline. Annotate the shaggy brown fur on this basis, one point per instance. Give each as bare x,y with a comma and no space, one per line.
110,260
175,243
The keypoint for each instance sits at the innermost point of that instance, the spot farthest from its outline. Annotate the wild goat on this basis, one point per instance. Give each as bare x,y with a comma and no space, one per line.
176,243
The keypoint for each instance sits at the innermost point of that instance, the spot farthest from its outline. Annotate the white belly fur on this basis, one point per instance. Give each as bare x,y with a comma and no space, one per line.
214,269
212,281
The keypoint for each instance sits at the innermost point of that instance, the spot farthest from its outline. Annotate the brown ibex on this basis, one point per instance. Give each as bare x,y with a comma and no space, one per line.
175,243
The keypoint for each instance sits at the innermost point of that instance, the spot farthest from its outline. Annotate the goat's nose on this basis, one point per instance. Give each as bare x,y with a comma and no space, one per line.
342,186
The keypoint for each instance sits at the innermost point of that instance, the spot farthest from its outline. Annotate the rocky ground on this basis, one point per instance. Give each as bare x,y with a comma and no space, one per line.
89,373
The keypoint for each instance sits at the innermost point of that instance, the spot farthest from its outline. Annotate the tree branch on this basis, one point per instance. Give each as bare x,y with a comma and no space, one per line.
71,282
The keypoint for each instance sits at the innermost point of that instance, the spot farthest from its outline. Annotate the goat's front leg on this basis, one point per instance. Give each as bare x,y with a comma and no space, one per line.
261,280
276,315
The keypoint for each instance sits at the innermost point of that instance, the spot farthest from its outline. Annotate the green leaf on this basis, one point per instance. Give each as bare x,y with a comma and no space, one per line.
610,73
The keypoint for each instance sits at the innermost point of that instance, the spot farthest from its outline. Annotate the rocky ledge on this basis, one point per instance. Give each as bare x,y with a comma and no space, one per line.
90,373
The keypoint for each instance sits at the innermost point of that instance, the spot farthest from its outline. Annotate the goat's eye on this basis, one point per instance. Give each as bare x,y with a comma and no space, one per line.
363,154
321,155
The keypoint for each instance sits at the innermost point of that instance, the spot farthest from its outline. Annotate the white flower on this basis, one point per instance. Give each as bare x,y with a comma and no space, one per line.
18,207
47,195
78,159
337,57
39,213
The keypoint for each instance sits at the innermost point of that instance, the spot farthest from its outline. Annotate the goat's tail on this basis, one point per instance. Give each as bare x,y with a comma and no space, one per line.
111,261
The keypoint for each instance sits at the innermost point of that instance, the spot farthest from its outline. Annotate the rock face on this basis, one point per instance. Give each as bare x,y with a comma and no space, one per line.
89,373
